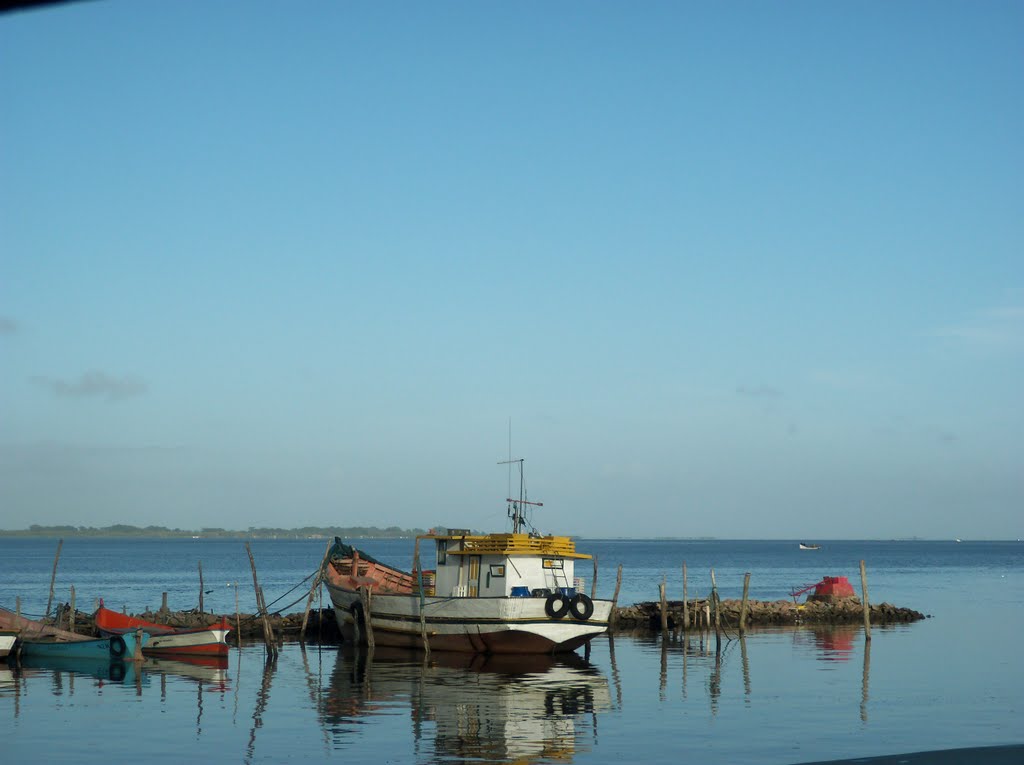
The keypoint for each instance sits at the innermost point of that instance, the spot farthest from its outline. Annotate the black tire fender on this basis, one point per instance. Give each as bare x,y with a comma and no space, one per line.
581,607
556,605
358,617
117,671
117,646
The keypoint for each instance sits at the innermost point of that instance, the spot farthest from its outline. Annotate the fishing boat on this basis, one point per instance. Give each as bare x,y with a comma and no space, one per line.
7,640
165,640
115,647
805,546
504,593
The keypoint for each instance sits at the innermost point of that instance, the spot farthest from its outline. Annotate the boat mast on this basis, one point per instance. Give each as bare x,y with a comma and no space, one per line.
517,506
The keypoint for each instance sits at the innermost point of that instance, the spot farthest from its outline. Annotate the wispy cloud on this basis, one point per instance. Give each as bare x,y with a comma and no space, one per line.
999,329
94,385
8,326
759,391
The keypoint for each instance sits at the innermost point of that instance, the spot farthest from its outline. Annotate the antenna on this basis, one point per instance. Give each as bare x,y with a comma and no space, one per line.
516,507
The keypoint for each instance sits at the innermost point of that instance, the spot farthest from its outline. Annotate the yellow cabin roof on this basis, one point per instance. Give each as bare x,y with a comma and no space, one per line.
514,544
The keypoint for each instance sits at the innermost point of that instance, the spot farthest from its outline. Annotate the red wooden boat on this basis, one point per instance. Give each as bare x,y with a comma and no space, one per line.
165,640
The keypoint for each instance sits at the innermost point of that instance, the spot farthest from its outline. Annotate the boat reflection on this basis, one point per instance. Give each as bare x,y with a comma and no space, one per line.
472,707
210,670
103,670
829,642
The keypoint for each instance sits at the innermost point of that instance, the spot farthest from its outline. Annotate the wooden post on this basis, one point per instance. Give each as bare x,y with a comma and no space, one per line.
664,607
200,587
53,576
317,578
366,598
866,603
743,605
593,583
163,604
423,605
718,617
260,608
270,626
17,607
137,653
615,599
686,615
71,613
238,620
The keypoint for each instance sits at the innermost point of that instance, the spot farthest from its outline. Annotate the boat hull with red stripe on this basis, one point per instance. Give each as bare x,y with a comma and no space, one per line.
165,640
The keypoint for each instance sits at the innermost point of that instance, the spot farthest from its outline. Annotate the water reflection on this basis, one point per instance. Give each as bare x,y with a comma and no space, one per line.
262,699
829,643
691,654
491,708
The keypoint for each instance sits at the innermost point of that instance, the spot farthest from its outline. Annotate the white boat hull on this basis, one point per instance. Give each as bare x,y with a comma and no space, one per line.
502,625
6,644
193,641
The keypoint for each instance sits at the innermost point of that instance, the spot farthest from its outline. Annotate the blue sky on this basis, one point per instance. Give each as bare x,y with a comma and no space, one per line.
745,270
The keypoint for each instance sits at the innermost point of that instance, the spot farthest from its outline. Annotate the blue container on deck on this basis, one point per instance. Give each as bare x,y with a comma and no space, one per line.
569,592
520,592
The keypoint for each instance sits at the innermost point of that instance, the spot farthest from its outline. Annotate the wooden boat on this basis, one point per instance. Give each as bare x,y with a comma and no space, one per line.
805,546
115,647
165,640
29,628
7,641
509,593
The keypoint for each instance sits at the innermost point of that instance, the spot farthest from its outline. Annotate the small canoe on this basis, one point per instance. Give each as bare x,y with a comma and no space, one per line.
115,647
165,640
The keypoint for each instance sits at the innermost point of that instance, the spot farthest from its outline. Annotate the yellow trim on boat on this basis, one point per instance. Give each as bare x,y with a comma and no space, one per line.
515,544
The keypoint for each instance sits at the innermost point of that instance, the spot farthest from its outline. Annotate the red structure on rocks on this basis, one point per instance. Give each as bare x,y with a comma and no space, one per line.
832,588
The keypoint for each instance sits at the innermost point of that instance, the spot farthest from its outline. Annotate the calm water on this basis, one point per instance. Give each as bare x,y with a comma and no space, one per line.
779,696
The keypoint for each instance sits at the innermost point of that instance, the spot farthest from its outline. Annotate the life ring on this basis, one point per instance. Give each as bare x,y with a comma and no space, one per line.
556,605
117,646
117,671
581,607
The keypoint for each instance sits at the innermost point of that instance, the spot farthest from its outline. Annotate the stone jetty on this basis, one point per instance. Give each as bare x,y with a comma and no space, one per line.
765,613
636,618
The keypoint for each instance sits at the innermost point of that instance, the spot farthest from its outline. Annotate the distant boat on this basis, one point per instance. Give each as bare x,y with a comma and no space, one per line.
805,546
958,540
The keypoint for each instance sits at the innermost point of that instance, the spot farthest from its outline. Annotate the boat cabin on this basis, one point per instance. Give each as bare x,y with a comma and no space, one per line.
502,565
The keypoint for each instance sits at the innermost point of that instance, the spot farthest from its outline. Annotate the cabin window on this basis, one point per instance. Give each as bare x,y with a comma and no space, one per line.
553,563
442,551
497,569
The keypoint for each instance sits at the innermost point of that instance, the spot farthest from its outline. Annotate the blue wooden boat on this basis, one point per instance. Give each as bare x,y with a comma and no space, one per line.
115,647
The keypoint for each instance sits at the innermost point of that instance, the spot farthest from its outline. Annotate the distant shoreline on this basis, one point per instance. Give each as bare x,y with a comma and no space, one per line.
161,532
368,532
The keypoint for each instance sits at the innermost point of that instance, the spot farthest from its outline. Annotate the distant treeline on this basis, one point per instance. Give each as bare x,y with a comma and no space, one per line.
253,532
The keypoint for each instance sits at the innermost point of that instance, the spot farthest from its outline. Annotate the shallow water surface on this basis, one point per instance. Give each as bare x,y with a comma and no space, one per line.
777,696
